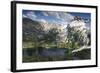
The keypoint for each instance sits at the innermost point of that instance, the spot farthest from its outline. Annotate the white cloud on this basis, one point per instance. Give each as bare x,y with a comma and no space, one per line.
45,13
43,20
69,16
56,14
24,16
64,16
31,15
51,13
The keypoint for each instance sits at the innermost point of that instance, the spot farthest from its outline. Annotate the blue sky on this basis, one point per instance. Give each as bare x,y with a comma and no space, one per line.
54,17
83,15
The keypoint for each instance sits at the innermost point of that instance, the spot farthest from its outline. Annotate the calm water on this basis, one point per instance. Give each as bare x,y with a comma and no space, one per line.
54,54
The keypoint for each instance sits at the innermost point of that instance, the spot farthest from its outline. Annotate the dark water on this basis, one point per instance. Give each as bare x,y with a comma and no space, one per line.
53,54
45,52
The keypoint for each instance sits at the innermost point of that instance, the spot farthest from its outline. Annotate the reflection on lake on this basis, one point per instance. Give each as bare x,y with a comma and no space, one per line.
54,54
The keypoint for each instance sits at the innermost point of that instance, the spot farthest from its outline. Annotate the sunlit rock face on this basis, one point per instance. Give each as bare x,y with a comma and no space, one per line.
61,29
79,25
